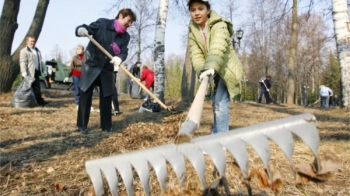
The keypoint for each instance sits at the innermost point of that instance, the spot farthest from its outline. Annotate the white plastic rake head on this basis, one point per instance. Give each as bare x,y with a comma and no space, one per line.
280,131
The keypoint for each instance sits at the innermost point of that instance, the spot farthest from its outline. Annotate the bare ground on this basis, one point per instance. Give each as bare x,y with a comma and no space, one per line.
42,154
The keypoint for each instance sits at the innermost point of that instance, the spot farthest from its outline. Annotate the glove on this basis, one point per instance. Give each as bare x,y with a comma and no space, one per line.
209,72
65,79
116,61
82,32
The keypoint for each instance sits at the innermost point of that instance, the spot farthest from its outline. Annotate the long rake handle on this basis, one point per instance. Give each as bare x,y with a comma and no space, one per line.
129,74
269,93
194,115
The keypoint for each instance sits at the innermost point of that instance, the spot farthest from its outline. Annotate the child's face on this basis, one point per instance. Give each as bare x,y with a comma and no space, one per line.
199,13
79,50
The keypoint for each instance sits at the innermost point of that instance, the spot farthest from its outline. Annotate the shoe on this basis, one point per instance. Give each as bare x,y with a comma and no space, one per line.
117,112
82,130
107,130
43,102
50,80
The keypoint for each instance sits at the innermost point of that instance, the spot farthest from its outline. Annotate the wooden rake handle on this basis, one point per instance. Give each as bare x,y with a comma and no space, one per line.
129,74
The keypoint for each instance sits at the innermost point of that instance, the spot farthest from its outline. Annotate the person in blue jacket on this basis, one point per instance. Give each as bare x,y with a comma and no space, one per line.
265,85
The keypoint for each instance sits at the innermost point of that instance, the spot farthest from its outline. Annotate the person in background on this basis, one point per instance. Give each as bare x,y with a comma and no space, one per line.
325,94
265,85
98,69
335,101
147,75
135,71
30,62
213,55
75,72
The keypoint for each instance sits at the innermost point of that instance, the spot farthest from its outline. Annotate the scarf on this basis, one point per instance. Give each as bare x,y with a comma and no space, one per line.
118,29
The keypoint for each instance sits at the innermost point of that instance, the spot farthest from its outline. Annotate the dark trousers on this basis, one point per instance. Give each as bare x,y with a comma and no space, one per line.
263,91
36,87
85,107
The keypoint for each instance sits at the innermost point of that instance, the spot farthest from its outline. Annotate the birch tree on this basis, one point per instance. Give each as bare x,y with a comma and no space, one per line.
159,49
292,54
9,63
342,35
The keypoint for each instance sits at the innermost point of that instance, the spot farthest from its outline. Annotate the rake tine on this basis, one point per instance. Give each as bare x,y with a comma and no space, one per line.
159,166
177,162
309,134
195,156
217,155
124,169
141,167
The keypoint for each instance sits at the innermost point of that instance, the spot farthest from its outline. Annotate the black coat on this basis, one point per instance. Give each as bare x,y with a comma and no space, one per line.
267,82
96,63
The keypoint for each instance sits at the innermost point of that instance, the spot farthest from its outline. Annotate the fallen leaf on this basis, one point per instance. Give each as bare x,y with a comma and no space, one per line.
60,186
89,192
329,162
50,170
263,179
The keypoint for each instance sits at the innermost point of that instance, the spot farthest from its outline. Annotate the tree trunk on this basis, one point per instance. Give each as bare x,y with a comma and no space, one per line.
342,32
188,78
159,49
9,64
292,54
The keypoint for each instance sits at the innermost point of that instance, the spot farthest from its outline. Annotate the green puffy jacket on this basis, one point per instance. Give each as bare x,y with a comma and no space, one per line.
221,55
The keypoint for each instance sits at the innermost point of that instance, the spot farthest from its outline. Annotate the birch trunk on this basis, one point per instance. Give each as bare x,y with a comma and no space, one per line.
292,54
342,35
159,50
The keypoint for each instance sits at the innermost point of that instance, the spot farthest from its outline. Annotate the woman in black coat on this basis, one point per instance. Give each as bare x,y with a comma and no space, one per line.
98,68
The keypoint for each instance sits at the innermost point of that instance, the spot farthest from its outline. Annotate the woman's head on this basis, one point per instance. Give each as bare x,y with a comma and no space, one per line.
200,10
126,17
80,49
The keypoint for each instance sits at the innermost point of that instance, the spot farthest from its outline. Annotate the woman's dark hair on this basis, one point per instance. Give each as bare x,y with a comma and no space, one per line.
127,12
206,3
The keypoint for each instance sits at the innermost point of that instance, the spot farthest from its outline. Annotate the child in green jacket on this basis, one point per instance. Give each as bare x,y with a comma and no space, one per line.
213,55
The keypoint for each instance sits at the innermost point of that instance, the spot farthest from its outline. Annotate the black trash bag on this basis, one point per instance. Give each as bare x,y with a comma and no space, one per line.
24,95
149,106
135,91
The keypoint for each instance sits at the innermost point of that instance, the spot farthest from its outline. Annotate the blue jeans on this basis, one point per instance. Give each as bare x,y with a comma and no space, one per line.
76,80
221,107
325,101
